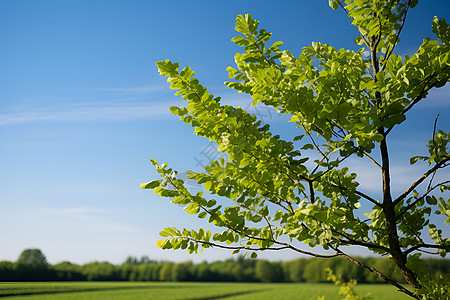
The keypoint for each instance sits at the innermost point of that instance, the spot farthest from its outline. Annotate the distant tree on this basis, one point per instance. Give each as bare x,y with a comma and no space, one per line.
183,271
267,271
7,271
125,271
33,257
345,104
32,265
68,271
202,272
294,270
131,260
315,270
244,269
166,271
99,271
145,260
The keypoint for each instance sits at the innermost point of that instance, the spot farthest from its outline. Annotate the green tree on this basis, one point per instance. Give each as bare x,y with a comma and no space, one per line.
33,257
345,106
202,272
99,271
267,271
68,271
294,270
32,265
183,271
7,271
166,271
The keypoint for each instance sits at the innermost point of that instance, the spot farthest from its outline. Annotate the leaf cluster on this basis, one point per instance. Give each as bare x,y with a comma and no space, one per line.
275,194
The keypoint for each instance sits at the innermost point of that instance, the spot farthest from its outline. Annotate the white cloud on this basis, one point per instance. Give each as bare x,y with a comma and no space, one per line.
87,112
145,89
76,212
90,219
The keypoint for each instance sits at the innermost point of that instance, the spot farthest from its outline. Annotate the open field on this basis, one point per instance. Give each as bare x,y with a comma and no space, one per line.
171,290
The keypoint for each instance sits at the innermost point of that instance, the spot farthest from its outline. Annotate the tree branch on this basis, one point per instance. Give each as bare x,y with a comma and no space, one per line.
351,241
390,50
420,180
361,194
417,247
419,199
377,273
420,96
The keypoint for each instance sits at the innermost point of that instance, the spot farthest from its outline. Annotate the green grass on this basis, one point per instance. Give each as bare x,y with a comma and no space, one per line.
179,291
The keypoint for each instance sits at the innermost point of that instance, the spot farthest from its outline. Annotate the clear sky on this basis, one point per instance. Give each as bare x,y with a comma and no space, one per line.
83,109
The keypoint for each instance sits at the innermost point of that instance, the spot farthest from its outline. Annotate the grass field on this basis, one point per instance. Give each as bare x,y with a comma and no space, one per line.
186,291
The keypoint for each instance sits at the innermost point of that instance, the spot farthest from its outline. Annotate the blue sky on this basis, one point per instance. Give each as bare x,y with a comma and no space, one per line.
83,109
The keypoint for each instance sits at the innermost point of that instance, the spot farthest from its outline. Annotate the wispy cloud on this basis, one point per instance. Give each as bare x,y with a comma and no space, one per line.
77,212
87,112
90,218
144,89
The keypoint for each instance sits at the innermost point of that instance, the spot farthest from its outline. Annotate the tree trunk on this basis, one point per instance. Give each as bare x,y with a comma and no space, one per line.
391,226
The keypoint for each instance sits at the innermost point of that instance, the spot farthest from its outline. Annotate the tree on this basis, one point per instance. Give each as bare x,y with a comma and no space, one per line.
32,265
288,192
33,257
267,271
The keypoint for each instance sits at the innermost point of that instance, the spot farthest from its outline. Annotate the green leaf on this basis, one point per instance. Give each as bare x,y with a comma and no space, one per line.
413,160
333,4
208,185
441,29
167,68
431,200
359,40
150,185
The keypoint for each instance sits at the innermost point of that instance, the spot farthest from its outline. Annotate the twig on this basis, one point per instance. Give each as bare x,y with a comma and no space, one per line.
420,180
419,199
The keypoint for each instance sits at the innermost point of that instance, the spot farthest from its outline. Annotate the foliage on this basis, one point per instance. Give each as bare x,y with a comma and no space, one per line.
311,270
33,257
32,265
347,288
345,105
435,289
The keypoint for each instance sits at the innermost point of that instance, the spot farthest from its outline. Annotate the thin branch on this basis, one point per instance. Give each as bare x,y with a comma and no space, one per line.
314,142
270,227
420,96
434,132
417,247
419,199
233,247
285,245
431,180
361,194
420,180
373,160
416,234
390,50
376,273
351,241
332,168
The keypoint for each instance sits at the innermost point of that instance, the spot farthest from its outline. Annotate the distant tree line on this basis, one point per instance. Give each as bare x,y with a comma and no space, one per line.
32,266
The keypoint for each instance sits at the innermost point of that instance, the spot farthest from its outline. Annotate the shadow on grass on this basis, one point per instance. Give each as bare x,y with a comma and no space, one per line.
96,289
223,296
